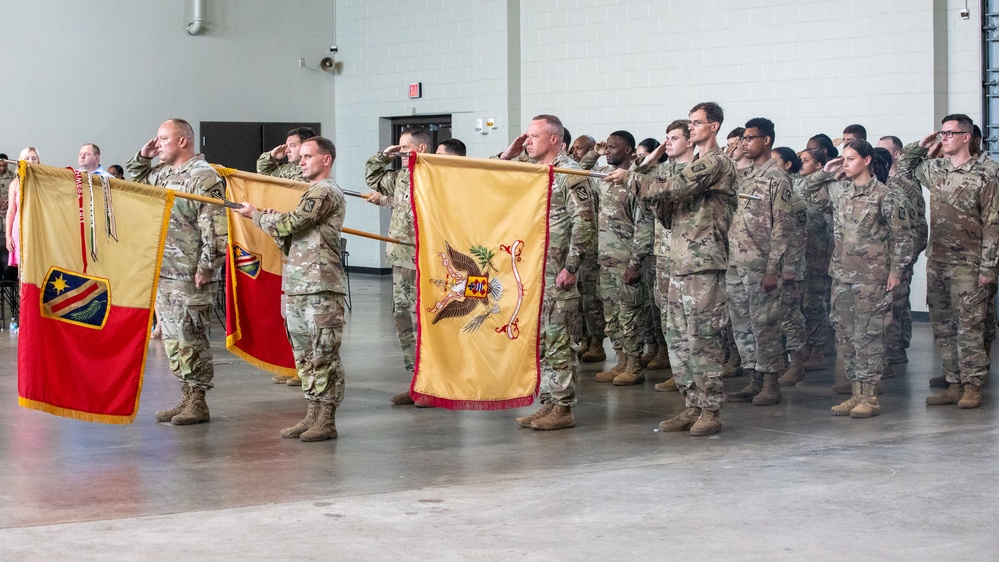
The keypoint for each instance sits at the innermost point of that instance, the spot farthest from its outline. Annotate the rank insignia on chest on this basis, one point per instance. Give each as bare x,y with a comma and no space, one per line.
246,261
76,298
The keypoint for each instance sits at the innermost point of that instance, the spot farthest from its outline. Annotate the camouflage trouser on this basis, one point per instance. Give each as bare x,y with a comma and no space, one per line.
315,329
560,334
899,331
792,321
695,320
404,312
592,309
755,321
653,312
184,313
622,311
957,312
990,317
662,291
860,312
816,310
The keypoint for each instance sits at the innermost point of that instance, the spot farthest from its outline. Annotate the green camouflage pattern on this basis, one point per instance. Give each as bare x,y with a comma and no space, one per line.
267,165
394,184
315,328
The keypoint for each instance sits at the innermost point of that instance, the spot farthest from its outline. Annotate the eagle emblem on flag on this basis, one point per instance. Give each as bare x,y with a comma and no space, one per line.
467,285
247,261
76,298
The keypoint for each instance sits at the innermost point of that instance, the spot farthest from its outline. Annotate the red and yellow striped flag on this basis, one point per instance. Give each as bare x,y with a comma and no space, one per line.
481,238
254,321
90,261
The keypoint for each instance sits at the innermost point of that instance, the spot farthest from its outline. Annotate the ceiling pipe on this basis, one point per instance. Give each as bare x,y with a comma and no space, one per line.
195,26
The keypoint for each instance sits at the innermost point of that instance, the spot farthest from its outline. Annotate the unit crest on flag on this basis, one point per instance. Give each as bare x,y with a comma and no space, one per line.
76,298
247,261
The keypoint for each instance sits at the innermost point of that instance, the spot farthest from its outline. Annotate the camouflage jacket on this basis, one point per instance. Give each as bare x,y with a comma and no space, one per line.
661,210
819,243
395,185
268,166
702,197
624,226
197,236
795,261
871,227
571,217
964,209
762,228
907,190
310,237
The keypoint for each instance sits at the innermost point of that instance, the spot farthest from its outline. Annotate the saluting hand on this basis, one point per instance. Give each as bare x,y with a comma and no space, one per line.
393,150
148,150
833,165
515,148
601,148
279,151
928,140
934,150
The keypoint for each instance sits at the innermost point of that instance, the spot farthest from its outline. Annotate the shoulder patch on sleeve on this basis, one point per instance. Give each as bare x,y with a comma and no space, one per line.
310,205
582,192
216,192
785,195
802,217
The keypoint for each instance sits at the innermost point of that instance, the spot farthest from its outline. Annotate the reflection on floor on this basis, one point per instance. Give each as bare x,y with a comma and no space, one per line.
784,482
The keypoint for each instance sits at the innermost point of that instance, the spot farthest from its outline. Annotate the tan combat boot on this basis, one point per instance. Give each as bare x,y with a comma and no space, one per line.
280,378
868,406
972,397
795,371
770,395
609,375
733,367
525,421
295,431
167,415
595,352
402,399
325,425
843,409
752,389
708,424
669,385
293,381
683,422
816,360
661,360
560,417
196,410
952,395
632,373
649,355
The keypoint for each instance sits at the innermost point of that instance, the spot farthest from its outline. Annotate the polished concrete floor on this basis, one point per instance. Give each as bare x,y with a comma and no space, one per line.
788,482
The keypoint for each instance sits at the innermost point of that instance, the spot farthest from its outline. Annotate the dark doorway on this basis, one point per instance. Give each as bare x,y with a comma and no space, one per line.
239,144
438,125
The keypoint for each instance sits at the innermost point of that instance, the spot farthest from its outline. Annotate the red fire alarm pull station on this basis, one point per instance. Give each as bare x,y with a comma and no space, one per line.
416,90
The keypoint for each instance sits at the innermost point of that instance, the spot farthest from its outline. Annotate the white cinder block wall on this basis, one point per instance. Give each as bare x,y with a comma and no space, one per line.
110,71
810,65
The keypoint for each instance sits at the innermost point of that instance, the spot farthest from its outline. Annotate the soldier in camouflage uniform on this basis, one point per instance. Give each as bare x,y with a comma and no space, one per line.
818,249
989,329
269,163
621,219
899,332
193,254
702,198
313,282
570,232
680,152
759,239
392,188
6,176
873,244
793,277
591,307
961,254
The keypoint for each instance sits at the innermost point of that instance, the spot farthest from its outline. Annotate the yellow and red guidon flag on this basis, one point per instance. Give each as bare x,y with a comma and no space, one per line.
90,260
481,239
254,321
